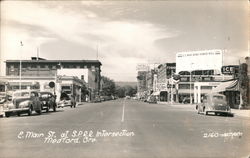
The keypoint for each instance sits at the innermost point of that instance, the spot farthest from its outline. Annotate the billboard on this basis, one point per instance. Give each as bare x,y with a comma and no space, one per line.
199,60
142,67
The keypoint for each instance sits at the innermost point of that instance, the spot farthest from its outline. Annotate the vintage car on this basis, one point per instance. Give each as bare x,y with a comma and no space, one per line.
23,101
48,101
213,103
152,99
97,99
3,99
66,100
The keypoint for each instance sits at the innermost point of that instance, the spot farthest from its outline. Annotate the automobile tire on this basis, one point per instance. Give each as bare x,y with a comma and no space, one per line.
54,107
205,111
47,109
18,114
39,112
7,114
29,112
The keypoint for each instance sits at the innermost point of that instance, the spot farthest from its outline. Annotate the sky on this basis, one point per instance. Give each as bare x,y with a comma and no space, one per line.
122,34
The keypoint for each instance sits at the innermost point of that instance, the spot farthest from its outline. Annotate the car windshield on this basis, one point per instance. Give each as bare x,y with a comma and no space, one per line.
45,95
218,97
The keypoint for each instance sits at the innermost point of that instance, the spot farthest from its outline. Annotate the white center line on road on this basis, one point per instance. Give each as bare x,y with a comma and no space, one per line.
123,109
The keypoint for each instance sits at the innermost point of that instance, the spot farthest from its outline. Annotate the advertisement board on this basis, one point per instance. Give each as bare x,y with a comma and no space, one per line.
229,70
199,60
142,67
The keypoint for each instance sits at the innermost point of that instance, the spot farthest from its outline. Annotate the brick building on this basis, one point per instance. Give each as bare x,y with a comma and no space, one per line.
87,73
164,84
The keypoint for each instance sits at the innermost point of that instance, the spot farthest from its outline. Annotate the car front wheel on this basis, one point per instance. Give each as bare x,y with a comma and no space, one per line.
54,107
29,112
40,110
7,114
205,111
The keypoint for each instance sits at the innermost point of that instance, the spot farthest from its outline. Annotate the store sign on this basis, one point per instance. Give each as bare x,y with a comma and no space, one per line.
199,60
229,70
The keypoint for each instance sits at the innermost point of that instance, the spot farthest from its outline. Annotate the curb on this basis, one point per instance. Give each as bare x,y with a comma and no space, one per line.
242,113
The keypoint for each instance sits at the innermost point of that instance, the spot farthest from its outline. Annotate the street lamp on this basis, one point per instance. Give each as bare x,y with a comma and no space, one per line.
20,68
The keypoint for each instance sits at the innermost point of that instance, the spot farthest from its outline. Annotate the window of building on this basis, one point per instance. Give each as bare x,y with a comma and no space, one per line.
65,66
184,79
186,86
33,66
206,87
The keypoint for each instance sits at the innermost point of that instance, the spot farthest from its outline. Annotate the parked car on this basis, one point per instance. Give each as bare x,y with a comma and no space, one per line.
186,100
152,99
102,98
66,100
215,103
48,101
97,99
23,101
3,99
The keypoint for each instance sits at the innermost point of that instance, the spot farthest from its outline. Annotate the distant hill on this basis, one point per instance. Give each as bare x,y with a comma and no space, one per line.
133,84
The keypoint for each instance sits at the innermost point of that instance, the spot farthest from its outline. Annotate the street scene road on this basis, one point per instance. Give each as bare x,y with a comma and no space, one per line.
125,128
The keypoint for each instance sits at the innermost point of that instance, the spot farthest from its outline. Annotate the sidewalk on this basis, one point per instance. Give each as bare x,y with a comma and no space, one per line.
80,103
242,113
179,105
236,112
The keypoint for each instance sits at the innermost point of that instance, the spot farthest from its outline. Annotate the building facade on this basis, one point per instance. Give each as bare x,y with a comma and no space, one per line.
165,84
80,74
149,81
141,84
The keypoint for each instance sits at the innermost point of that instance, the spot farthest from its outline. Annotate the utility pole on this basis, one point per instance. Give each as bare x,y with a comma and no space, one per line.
20,67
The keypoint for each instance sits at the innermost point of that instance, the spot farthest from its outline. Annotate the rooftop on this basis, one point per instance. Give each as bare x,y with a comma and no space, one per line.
41,60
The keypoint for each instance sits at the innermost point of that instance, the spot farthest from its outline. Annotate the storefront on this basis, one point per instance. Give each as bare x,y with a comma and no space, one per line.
232,92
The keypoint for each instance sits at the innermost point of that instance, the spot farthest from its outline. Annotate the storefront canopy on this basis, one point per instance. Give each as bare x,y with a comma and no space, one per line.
226,86
156,93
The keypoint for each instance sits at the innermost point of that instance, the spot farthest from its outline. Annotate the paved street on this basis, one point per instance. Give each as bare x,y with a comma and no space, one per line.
124,128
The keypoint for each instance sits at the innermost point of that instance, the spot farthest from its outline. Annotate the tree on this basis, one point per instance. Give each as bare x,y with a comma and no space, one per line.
130,91
243,81
120,91
108,87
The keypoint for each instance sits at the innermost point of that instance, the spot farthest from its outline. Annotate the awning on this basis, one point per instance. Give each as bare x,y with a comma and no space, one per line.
226,86
156,93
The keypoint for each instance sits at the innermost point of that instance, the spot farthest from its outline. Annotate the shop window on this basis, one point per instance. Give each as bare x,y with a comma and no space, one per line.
206,87
33,66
